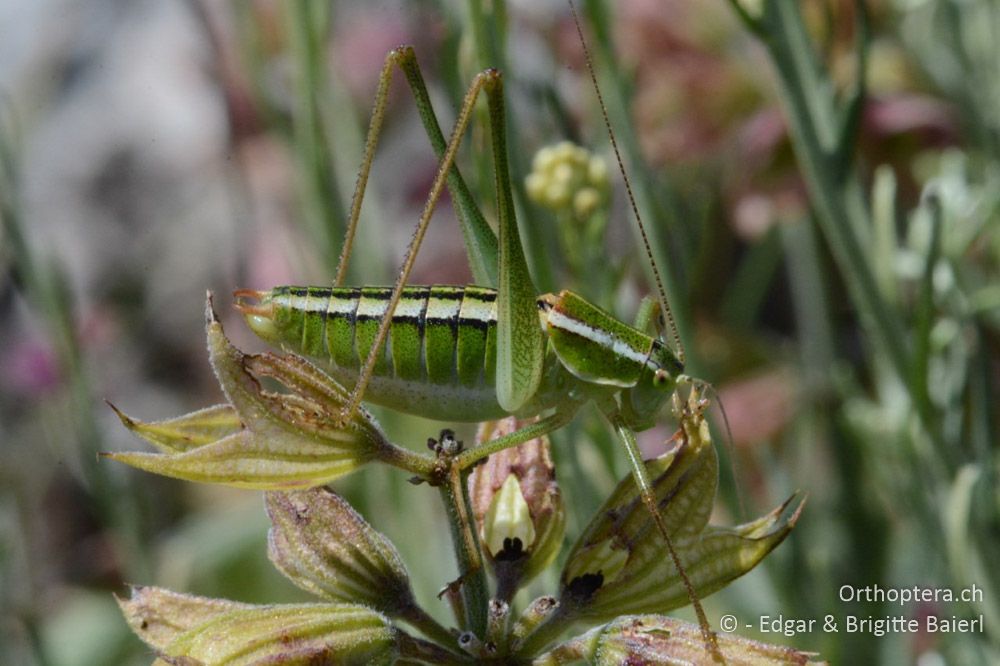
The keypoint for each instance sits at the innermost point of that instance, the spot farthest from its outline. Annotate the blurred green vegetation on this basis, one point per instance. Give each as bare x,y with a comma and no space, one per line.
823,183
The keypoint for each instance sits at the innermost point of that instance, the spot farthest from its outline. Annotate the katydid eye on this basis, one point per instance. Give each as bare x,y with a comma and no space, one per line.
660,377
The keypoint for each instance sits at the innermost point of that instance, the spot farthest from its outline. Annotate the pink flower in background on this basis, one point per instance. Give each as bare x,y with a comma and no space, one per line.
30,369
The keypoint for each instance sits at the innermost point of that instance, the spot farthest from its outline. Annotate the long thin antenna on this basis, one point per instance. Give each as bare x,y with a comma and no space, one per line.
642,483
664,303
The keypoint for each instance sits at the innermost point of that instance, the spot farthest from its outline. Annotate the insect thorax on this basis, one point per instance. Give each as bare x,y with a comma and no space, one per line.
641,403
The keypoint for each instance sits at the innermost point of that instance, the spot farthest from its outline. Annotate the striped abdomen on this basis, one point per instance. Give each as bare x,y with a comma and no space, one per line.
439,359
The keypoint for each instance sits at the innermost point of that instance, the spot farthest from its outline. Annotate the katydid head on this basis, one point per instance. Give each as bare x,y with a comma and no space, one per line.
259,313
599,349
642,402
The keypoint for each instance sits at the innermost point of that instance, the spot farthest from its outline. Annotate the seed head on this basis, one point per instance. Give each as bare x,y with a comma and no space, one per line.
518,507
657,639
618,565
186,629
262,439
325,547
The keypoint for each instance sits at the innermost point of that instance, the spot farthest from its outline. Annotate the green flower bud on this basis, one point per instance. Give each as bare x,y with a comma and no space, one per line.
657,639
534,184
544,159
263,440
563,175
619,564
597,173
325,547
566,178
517,506
557,195
585,202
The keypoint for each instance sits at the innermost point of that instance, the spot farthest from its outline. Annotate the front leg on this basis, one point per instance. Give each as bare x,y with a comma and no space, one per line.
554,421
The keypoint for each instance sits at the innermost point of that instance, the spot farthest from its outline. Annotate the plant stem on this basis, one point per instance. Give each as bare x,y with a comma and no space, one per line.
405,459
472,574
416,651
546,632
823,139
430,627
308,24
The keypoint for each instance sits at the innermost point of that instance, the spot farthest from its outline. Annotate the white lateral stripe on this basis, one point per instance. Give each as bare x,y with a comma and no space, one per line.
478,310
322,305
442,308
344,306
603,338
371,307
409,307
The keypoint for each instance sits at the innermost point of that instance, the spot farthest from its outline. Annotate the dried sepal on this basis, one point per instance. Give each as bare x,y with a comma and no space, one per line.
619,565
517,505
185,432
657,639
288,634
288,440
537,612
159,616
649,582
325,547
684,483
